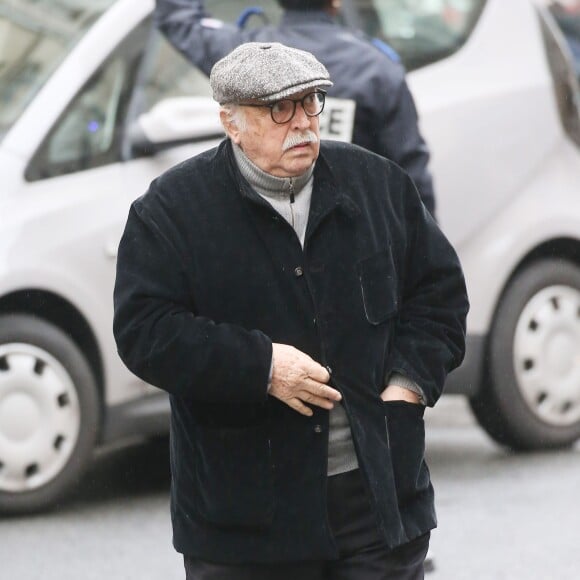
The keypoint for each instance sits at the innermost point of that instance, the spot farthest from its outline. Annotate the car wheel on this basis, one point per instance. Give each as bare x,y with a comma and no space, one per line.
531,398
49,414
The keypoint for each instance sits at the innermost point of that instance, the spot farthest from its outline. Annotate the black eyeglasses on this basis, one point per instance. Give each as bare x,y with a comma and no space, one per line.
283,111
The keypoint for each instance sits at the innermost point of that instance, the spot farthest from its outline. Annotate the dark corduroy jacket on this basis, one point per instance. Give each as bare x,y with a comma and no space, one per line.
209,275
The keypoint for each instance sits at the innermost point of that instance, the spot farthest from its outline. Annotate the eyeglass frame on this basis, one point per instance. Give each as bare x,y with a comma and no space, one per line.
294,102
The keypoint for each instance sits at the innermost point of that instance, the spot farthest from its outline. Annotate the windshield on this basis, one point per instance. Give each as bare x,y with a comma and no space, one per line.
35,36
421,31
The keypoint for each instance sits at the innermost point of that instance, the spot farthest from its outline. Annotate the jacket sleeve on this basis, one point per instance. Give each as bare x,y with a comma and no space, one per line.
401,141
429,337
191,31
160,338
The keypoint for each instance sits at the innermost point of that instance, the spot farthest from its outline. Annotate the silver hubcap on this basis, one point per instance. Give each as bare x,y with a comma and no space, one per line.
547,355
39,417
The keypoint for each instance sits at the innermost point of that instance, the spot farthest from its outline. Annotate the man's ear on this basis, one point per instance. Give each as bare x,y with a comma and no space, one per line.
230,127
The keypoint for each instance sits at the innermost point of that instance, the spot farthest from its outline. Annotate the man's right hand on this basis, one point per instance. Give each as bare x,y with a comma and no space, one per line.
298,379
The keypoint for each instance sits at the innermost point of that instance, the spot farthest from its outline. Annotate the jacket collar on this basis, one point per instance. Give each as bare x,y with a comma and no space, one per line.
328,195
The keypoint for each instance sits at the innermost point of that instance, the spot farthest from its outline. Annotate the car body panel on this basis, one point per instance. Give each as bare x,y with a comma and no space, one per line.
523,225
503,92
62,240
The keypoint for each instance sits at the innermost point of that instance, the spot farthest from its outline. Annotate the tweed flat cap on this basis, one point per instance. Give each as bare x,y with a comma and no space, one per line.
266,71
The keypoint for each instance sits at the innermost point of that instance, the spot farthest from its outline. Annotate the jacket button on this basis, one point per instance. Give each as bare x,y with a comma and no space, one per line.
318,428
298,272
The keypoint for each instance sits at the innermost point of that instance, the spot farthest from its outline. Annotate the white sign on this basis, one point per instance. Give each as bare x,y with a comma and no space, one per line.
337,119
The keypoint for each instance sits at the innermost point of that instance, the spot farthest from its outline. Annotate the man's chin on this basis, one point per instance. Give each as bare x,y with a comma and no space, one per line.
294,168
304,161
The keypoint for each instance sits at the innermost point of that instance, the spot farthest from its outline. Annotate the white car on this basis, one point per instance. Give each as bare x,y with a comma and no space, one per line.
94,104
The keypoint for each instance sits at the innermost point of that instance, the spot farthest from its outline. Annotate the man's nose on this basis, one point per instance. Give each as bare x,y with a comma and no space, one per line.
300,120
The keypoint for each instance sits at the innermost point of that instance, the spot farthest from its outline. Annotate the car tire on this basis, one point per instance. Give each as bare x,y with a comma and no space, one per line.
531,390
49,414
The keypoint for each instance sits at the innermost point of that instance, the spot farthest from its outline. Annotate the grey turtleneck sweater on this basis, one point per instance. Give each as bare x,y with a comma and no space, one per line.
277,192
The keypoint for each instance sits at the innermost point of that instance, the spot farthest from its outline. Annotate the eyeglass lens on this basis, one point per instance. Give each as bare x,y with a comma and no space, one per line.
284,110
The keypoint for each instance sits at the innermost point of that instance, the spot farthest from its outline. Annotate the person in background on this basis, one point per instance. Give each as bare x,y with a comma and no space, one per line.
367,75
301,308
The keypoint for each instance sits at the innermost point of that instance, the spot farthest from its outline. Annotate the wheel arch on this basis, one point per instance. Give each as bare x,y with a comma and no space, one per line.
54,309
561,248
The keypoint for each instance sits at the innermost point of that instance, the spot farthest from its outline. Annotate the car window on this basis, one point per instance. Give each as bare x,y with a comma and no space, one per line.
168,74
421,31
89,133
567,15
566,87
35,36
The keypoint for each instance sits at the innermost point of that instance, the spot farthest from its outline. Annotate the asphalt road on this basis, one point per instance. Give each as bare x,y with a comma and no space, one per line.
501,516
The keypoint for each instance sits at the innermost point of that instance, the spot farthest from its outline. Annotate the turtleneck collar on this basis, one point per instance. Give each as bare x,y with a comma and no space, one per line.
266,184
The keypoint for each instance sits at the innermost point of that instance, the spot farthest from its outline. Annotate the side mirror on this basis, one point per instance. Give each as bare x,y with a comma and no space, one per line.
176,121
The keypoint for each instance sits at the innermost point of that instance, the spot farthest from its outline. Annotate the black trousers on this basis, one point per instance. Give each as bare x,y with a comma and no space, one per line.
363,555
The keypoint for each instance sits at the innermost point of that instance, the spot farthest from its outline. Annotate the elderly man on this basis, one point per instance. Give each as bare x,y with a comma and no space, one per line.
300,306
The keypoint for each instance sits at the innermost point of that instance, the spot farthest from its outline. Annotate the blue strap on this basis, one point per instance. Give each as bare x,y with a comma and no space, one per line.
247,13
386,49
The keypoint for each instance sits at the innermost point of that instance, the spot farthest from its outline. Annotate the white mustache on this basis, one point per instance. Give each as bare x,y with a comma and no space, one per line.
299,139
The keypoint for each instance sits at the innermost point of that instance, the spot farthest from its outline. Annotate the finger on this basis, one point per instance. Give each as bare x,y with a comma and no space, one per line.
321,390
312,399
299,406
317,372
330,393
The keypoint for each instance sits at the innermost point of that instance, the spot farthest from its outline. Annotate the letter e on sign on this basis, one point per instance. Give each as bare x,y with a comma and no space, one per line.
337,119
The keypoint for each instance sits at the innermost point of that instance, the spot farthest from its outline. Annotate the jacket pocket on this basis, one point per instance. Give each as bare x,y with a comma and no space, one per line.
378,285
406,433
234,476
